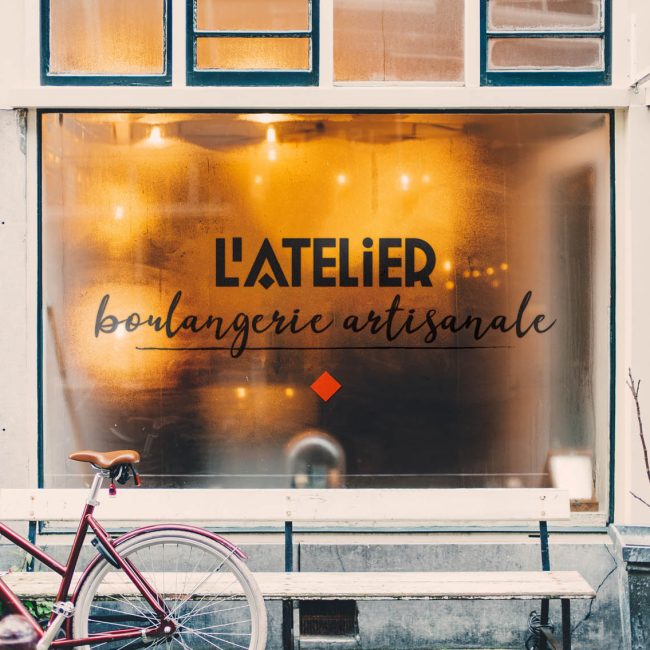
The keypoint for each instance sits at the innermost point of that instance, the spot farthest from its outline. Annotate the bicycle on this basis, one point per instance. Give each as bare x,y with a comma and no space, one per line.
163,586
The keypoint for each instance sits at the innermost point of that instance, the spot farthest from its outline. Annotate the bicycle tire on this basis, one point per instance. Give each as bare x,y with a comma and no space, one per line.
192,609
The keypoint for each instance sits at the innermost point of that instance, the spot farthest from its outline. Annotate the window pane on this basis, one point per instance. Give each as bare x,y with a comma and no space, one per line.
107,37
134,208
262,53
551,15
253,15
545,53
398,40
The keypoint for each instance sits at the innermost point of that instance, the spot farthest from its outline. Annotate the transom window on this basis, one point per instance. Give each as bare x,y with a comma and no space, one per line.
545,42
277,42
97,42
252,42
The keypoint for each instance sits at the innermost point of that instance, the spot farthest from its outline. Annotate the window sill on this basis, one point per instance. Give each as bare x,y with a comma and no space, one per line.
301,98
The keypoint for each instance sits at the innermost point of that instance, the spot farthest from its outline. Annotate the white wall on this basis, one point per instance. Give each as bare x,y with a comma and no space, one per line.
18,405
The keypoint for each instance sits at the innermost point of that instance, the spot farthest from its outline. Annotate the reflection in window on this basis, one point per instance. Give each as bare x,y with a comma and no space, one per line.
398,40
140,207
105,38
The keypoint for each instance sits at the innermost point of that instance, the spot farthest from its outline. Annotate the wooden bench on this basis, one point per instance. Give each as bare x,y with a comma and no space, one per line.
339,508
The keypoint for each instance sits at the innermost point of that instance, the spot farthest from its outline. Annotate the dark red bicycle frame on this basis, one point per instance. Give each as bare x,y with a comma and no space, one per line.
67,572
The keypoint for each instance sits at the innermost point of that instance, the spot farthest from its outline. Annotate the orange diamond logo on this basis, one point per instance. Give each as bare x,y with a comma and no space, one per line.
325,386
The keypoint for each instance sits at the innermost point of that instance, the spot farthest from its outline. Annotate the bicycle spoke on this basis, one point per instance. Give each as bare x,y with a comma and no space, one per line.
211,599
203,612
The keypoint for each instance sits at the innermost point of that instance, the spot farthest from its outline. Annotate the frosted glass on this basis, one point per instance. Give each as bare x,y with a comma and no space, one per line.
545,53
134,206
551,15
107,37
253,53
405,40
252,15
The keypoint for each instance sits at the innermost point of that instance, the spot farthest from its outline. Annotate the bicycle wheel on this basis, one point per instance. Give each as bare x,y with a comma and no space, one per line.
212,598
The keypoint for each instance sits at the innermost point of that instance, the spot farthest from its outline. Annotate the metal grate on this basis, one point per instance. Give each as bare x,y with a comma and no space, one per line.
328,618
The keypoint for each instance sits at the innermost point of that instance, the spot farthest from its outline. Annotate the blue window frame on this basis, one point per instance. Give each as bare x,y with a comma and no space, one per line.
74,78
203,75
598,74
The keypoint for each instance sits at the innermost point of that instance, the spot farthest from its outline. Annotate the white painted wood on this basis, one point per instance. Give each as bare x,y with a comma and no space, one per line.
472,43
489,585
177,43
375,506
399,97
326,46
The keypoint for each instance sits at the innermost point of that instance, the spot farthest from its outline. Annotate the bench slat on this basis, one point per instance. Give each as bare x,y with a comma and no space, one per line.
367,506
492,585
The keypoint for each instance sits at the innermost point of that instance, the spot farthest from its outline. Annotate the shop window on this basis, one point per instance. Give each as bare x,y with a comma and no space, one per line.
342,300
546,42
252,42
398,41
97,42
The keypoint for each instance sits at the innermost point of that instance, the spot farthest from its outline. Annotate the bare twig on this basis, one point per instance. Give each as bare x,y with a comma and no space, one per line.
643,501
634,388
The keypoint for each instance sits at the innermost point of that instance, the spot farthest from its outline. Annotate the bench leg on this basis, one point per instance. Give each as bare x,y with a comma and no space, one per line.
566,624
287,625
544,622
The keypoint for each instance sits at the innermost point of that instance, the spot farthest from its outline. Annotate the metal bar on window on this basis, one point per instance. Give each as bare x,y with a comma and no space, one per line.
222,34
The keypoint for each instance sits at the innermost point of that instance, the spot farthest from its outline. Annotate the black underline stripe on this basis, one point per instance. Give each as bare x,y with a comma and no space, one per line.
345,347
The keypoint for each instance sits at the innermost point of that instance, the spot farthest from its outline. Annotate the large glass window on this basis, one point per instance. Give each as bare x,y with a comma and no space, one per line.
95,42
546,42
328,299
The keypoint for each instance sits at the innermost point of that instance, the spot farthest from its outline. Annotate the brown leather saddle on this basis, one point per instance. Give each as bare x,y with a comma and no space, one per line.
106,459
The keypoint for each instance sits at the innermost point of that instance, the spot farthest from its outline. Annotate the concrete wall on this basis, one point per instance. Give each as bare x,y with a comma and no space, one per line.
418,625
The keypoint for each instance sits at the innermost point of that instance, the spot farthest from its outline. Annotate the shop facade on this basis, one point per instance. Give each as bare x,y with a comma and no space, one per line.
336,244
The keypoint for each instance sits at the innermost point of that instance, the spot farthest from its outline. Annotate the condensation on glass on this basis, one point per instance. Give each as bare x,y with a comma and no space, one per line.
545,53
398,40
252,15
545,15
251,53
107,37
514,205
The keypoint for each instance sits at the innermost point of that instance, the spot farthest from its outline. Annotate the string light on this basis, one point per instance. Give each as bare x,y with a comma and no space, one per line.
119,212
505,266
449,285
426,179
466,274
289,392
241,392
405,181
341,179
258,180
271,135
489,270
446,265
476,273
